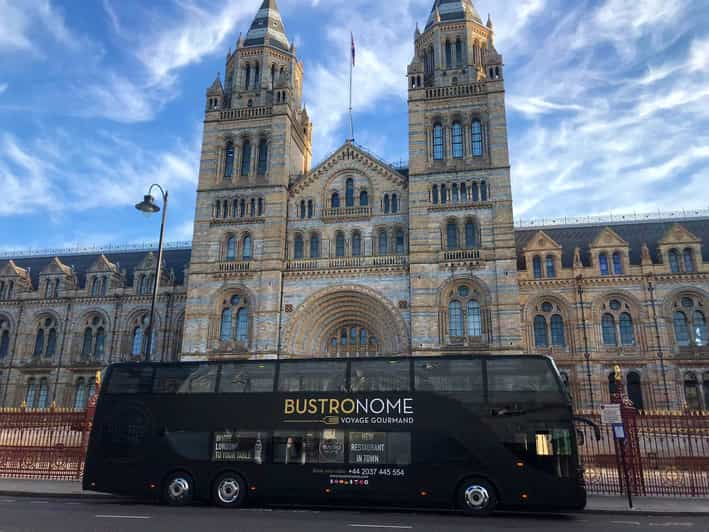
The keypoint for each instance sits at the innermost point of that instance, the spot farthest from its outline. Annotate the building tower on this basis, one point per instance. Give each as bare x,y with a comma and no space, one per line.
464,292
256,135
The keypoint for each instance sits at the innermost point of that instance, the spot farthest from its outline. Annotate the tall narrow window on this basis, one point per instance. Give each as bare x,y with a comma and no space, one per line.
104,287
617,263
137,343
434,195
262,165
383,243
298,247
674,261
363,199
94,287
51,343
302,210
43,400
88,342
455,193
558,338
387,204
452,235
475,325
455,319
335,200
551,267
314,246
471,240
394,203
231,248
610,337
691,392
253,207
229,160
457,132
700,329
444,194
438,142
242,208
603,264
100,347
483,191
458,53
541,338
242,325
260,206
463,192
349,193
474,192
681,327
273,76
310,208
4,344
635,390
476,132
688,260
247,78
48,289
627,333
257,75
80,394
356,244
246,158
399,242
537,267
248,248
39,343
226,324
31,393
449,55
339,244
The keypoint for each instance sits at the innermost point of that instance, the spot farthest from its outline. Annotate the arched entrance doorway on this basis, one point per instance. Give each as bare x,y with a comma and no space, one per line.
346,321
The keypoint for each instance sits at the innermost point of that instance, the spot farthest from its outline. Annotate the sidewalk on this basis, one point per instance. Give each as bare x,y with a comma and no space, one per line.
596,503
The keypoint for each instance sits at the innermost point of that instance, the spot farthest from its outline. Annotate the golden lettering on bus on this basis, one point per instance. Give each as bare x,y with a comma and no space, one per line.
289,407
347,406
334,406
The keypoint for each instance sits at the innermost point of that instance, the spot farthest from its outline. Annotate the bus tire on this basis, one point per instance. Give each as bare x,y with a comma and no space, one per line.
178,489
477,497
229,491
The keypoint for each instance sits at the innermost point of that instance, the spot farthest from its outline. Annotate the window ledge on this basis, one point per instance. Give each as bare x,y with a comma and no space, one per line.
460,205
233,266
330,215
238,221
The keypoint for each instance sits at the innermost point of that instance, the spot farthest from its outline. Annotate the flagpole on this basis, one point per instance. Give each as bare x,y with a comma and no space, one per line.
351,67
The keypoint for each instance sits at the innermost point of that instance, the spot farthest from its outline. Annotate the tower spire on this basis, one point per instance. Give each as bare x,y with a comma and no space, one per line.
267,28
452,10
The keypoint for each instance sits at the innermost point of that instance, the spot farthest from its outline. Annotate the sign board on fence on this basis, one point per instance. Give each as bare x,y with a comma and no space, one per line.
610,415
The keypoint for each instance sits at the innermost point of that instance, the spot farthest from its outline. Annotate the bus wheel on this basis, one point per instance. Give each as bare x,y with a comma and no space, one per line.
179,489
229,491
477,497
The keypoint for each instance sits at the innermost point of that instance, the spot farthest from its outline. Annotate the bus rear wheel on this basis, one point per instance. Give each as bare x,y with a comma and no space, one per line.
477,497
178,490
229,491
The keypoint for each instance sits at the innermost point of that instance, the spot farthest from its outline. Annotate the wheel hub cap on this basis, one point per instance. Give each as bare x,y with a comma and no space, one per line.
178,488
228,491
477,497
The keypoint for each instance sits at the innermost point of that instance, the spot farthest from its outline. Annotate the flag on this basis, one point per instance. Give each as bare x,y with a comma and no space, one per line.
353,49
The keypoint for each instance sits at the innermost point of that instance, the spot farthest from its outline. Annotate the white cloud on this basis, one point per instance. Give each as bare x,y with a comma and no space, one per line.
201,30
3,87
24,24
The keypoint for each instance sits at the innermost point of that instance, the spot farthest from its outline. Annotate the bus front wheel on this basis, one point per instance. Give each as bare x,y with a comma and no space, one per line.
477,497
229,491
178,490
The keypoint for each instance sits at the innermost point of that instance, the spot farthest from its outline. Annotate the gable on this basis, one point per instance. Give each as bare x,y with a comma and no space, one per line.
349,159
608,238
541,242
10,269
56,267
102,264
678,234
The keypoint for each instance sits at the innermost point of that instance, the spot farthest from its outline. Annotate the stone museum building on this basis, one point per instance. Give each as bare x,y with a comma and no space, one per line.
353,257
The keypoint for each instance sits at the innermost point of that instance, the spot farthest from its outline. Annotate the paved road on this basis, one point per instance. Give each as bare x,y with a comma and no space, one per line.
59,515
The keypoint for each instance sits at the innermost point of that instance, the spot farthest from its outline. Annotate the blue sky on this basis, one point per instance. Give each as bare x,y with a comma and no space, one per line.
608,103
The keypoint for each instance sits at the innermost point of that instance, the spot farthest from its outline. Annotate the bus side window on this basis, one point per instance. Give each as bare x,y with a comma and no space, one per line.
130,379
449,376
521,380
247,377
309,447
380,448
326,376
380,376
184,379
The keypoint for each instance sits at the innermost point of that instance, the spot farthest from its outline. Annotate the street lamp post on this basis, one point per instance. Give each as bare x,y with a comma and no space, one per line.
660,354
149,207
586,353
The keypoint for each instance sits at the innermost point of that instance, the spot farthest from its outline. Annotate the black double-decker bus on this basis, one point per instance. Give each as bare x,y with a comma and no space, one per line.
475,433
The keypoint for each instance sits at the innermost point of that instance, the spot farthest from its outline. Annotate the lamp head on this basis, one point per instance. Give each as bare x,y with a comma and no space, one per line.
148,206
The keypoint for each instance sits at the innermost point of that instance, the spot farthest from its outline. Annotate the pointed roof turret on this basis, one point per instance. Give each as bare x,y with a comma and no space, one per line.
216,89
451,10
489,21
267,28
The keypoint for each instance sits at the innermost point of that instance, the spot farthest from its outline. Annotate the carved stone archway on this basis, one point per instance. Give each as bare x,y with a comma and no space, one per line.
316,321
